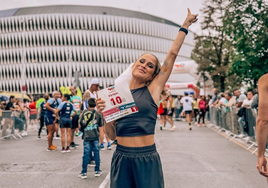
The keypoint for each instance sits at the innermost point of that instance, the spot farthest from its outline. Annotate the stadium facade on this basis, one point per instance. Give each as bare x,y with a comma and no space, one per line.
42,47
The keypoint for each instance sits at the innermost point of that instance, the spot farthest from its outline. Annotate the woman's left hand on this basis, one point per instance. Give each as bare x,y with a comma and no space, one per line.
191,18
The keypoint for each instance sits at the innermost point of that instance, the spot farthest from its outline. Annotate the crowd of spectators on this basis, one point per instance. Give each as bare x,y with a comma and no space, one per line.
239,101
221,100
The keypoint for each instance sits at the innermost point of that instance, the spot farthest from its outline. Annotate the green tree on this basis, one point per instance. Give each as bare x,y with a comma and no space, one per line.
213,48
246,24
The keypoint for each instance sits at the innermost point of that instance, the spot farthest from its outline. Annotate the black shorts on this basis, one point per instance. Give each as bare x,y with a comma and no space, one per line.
188,112
139,166
65,123
164,113
75,122
171,112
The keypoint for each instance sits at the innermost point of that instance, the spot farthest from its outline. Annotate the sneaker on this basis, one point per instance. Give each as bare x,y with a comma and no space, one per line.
63,150
161,127
198,125
57,137
51,148
164,128
190,128
82,176
109,146
98,173
72,146
39,138
241,136
102,147
203,124
68,150
80,134
24,134
172,128
91,163
76,145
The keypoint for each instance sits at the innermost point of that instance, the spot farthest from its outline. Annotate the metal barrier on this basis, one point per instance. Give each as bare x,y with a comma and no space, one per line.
7,126
226,119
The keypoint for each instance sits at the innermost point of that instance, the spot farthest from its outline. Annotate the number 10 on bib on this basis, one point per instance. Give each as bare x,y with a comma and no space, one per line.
119,102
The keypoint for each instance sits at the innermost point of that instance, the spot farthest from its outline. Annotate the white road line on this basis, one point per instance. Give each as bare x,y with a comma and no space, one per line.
105,181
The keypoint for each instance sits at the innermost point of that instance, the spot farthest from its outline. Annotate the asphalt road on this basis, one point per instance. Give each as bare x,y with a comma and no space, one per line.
200,158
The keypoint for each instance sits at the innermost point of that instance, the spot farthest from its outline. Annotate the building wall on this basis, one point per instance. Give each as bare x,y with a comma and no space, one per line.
53,46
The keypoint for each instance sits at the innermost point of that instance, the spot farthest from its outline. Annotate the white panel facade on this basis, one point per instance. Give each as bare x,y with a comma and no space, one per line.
53,46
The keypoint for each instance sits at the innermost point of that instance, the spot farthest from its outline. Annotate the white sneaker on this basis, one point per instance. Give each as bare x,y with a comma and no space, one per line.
24,134
241,136
164,128
247,139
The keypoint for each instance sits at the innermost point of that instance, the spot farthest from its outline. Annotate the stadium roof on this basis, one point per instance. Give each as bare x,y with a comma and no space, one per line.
77,9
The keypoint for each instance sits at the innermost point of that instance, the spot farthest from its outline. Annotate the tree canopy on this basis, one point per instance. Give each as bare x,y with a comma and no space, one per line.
234,44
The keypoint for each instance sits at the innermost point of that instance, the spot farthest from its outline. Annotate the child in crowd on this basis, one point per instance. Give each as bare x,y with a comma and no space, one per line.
90,122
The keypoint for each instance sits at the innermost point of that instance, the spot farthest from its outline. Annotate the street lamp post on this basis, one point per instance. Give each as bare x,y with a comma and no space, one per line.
204,84
23,74
70,58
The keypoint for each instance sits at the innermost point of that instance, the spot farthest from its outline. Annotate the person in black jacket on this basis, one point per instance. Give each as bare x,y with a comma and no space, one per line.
91,123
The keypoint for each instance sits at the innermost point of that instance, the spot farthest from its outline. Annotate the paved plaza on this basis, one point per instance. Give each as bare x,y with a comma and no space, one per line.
201,158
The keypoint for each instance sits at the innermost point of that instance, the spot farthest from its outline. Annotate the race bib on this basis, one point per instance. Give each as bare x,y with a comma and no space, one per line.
119,102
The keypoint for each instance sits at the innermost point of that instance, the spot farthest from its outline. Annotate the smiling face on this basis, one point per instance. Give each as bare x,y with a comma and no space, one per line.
145,67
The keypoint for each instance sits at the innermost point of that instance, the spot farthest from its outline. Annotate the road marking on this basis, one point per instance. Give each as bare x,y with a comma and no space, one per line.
105,181
69,170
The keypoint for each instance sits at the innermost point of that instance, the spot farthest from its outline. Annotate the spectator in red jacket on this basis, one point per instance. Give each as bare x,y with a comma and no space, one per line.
33,112
202,110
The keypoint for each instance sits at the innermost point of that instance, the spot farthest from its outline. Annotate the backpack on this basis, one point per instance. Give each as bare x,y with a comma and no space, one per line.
92,118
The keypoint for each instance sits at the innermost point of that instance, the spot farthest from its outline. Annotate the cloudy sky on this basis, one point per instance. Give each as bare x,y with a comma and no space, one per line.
174,10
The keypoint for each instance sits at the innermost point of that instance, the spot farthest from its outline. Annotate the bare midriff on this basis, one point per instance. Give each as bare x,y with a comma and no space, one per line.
136,141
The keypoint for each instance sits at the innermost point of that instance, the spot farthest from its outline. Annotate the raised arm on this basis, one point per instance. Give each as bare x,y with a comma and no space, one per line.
262,124
160,80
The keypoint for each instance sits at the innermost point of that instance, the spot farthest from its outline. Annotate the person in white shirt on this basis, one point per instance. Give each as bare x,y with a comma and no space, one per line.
222,100
246,104
187,103
240,97
94,88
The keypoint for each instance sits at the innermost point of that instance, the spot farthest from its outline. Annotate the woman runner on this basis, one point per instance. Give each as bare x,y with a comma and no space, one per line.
136,162
65,110
50,118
